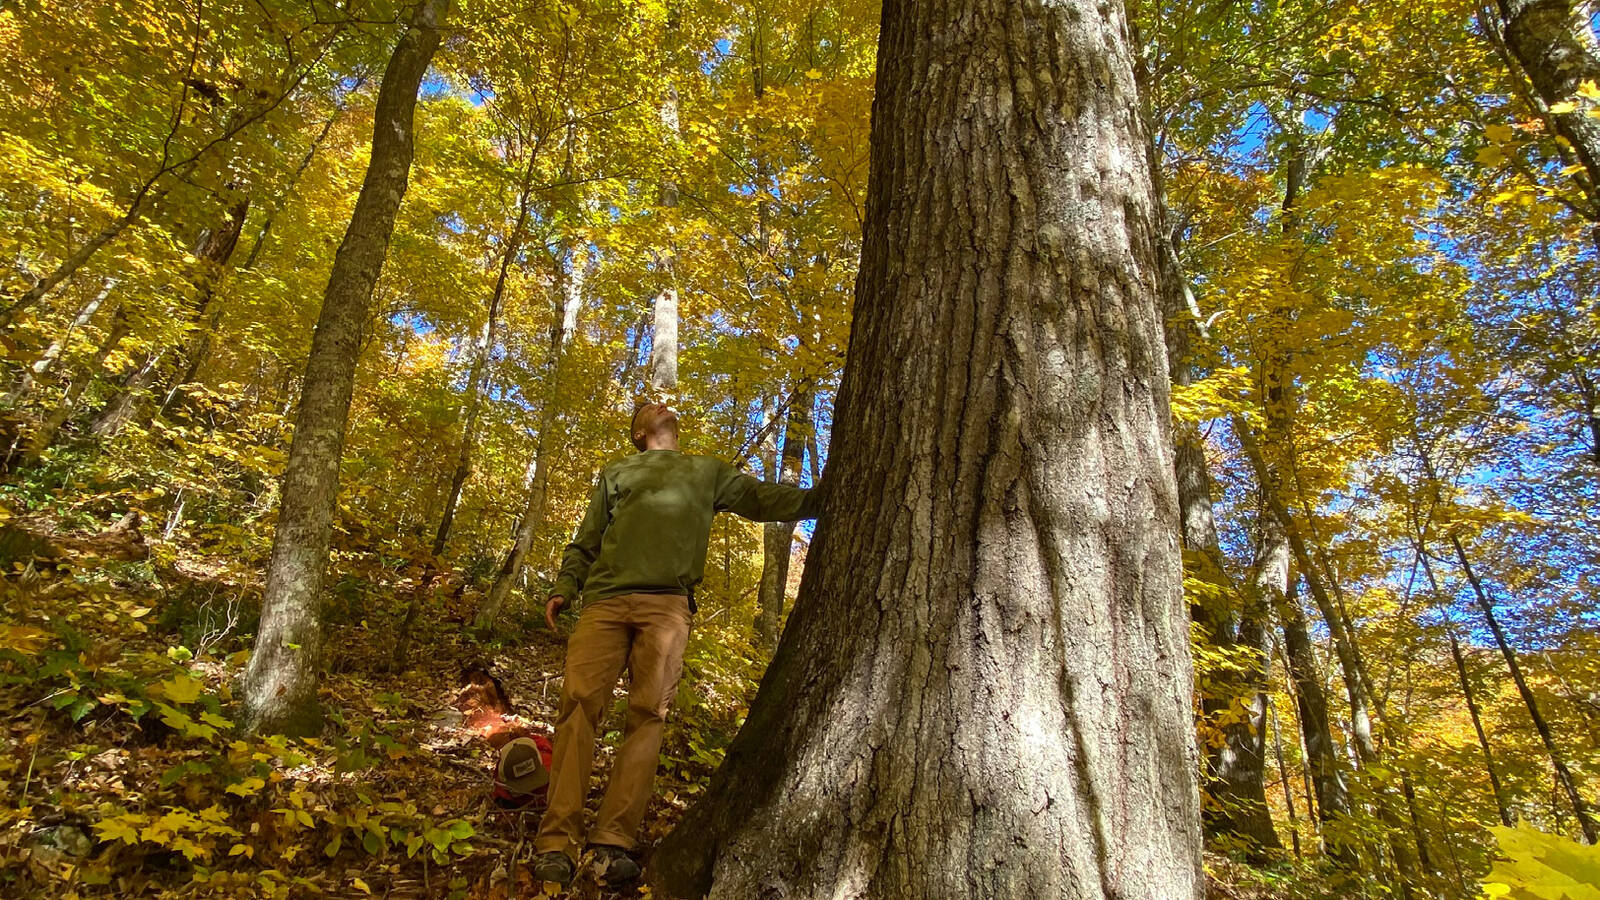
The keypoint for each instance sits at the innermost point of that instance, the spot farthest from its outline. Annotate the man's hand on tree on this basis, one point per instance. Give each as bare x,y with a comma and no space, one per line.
551,607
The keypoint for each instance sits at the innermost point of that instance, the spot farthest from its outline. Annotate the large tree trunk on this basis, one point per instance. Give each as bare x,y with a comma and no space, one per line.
280,683
984,690
778,537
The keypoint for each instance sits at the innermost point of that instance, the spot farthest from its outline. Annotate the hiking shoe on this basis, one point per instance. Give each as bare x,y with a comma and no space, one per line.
613,866
556,867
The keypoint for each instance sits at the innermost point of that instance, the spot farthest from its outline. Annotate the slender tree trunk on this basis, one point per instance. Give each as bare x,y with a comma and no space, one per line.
664,337
45,436
664,340
28,299
1283,778
211,262
533,513
1564,779
1358,689
778,537
280,683
47,360
1460,660
199,352
478,377
1233,620
120,408
984,689
1591,411
1322,755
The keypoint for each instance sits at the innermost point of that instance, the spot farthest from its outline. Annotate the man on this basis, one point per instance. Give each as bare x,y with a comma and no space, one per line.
636,559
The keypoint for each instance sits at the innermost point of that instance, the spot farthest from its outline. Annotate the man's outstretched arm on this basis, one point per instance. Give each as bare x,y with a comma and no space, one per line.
764,501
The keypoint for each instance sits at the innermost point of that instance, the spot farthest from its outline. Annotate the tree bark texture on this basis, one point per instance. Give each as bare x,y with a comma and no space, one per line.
778,537
984,690
1556,47
280,683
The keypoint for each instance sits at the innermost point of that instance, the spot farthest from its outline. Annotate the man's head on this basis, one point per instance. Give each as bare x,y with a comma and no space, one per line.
655,427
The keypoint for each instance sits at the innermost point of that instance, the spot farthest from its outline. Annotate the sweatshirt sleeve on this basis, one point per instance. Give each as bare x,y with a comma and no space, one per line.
585,546
764,501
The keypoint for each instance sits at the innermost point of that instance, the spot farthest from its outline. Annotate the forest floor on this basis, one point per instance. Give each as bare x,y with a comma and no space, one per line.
122,773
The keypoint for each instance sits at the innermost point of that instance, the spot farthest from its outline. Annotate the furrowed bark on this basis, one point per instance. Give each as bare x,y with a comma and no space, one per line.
280,682
984,689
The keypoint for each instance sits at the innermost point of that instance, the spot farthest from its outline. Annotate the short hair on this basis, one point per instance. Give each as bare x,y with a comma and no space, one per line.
633,426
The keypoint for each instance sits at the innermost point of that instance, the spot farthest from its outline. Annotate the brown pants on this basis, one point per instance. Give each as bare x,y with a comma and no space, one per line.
647,633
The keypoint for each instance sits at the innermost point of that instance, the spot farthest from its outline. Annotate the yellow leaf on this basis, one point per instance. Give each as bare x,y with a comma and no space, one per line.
1563,107
1491,156
123,828
243,850
181,688
247,787
1498,133
24,639
361,886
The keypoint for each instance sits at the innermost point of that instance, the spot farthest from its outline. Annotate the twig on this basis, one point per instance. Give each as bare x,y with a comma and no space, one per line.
28,779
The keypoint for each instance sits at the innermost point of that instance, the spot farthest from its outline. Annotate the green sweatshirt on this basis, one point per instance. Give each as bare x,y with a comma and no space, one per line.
649,523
